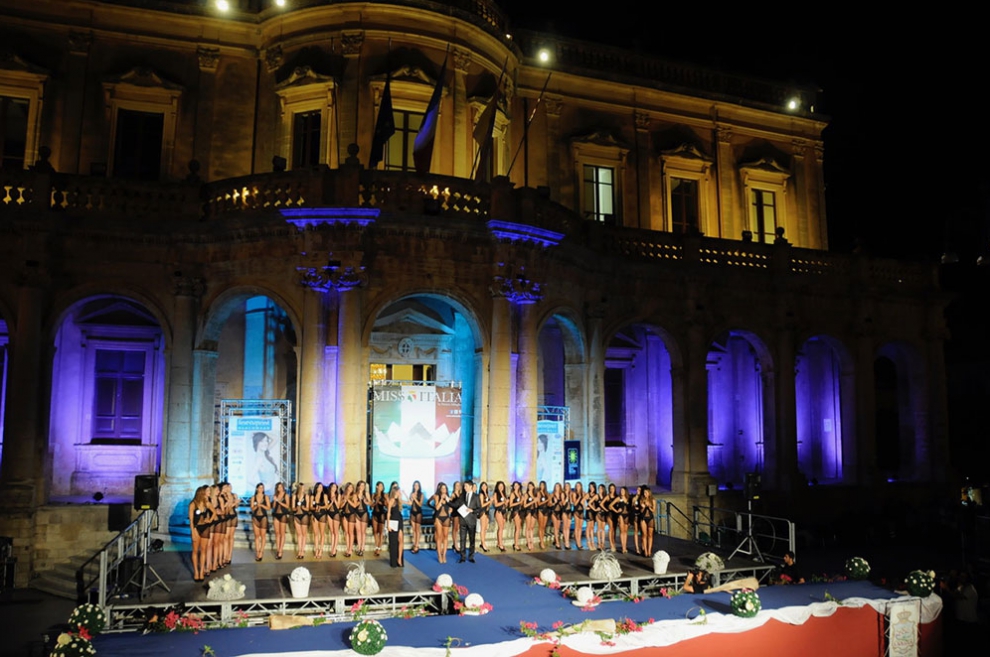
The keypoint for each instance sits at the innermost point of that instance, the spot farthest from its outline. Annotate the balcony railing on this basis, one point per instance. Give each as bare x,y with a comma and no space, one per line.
28,195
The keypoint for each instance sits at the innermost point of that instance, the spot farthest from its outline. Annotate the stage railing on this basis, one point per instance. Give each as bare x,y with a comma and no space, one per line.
751,534
670,515
131,543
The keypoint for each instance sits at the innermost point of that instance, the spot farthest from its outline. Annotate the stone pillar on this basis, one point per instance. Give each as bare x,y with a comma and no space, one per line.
555,177
644,184
937,460
526,391
594,445
179,470
463,151
67,152
731,223
314,464
785,444
352,379
801,229
866,408
495,447
209,58
24,444
349,90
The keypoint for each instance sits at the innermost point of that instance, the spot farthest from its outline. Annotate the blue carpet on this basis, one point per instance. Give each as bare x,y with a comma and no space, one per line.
508,591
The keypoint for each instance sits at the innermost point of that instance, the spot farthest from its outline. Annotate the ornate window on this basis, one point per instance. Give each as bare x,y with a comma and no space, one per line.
765,185
399,150
411,91
22,91
142,112
499,156
687,191
599,161
306,106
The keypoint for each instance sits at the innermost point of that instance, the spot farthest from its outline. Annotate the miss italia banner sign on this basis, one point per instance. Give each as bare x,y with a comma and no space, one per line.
416,434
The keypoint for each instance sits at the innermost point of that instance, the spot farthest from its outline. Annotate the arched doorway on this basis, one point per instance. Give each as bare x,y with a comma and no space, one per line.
901,413
108,387
425,373
823,381
562,381
638,407
739,376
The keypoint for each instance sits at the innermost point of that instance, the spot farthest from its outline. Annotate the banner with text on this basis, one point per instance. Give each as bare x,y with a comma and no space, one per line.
253,448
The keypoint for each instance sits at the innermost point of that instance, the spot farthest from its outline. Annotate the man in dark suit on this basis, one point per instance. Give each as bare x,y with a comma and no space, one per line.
469,522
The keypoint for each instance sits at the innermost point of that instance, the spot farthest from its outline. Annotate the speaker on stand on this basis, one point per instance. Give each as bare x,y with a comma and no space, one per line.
146,492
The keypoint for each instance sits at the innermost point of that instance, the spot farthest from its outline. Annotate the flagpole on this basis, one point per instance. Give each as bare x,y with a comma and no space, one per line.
336,103
481,147
529,120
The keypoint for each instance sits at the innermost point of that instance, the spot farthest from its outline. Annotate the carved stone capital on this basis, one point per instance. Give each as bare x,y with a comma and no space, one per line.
209,58
338,277
351,42
462,60
80,42
189,286
642,120
723,134
799,147
554,106
273,58
514,285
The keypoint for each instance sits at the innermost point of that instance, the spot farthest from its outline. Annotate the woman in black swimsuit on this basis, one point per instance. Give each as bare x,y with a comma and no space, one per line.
517,513
530,502
319,514
349,508
455,518
361,524
416,513
620,513
485,499
333,516
542,512
556,511
379,514
200,520
567,508
578,502
260,504
280,517
591,515
500,500
441,520
301,511
647,523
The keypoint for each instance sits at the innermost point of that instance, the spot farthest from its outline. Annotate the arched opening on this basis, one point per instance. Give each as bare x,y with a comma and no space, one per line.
739,373
639,438
562,395
108,390
901,413
425,371
256,386
823,381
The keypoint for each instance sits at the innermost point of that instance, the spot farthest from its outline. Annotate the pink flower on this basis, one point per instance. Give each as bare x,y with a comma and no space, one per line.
558,625
437,588
84,633
171,619
356,607
461,590
458,605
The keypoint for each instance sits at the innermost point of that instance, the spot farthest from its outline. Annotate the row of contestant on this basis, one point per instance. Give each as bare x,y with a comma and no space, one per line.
212,520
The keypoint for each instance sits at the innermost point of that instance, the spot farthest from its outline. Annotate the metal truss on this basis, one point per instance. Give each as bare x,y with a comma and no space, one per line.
649,586
280,408
227,613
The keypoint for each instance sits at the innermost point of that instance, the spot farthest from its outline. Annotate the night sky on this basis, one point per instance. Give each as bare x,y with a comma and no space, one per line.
905,164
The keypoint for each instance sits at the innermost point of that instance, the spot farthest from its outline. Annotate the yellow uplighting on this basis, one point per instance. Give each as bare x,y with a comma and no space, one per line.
279,3
543,55
222,5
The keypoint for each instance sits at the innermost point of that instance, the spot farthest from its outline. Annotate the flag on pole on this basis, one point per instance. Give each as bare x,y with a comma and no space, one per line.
384,126
423,145
484,130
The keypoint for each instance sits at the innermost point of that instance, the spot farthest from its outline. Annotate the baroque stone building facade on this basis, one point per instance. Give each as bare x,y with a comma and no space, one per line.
187,216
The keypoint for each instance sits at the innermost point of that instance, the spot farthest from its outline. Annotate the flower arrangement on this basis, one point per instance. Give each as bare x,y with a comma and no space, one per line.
90,617
586,599
172,619
745,603
669,593
473,605
412,612
548,578
359,582
228,588
634,598
857,568
359,609
71,644
300,574
368,637
920,584
709,562
624,626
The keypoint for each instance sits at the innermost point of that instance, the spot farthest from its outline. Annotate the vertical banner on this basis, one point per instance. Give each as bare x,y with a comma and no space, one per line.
903,618
549,451
572,460
416,435
253,449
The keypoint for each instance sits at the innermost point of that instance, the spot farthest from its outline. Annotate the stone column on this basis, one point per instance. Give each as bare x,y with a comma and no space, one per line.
349,91
314,464
594,445
179,470
866,408
527,388
24,444
463,151
785,446
731,223
70,112
209,58
644,186
555,177
352,379
495,447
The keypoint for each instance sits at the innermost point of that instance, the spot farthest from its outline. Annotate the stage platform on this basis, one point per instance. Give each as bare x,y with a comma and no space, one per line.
848,618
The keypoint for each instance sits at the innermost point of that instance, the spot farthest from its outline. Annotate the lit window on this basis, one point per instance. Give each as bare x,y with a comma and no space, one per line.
118,400
13,132
306,131
683,205
399,152
599,193
763,215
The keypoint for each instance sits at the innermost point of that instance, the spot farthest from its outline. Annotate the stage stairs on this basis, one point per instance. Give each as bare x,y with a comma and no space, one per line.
61,580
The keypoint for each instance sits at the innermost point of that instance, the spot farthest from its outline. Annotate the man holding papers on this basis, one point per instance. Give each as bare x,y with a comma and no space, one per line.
468,508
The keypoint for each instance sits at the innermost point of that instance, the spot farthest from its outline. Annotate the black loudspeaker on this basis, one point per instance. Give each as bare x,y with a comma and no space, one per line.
753,480
118,517
146,492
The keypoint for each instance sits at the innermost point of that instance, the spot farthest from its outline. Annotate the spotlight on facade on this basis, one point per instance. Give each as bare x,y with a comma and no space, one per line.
222,5
279,3
543,55
793,104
